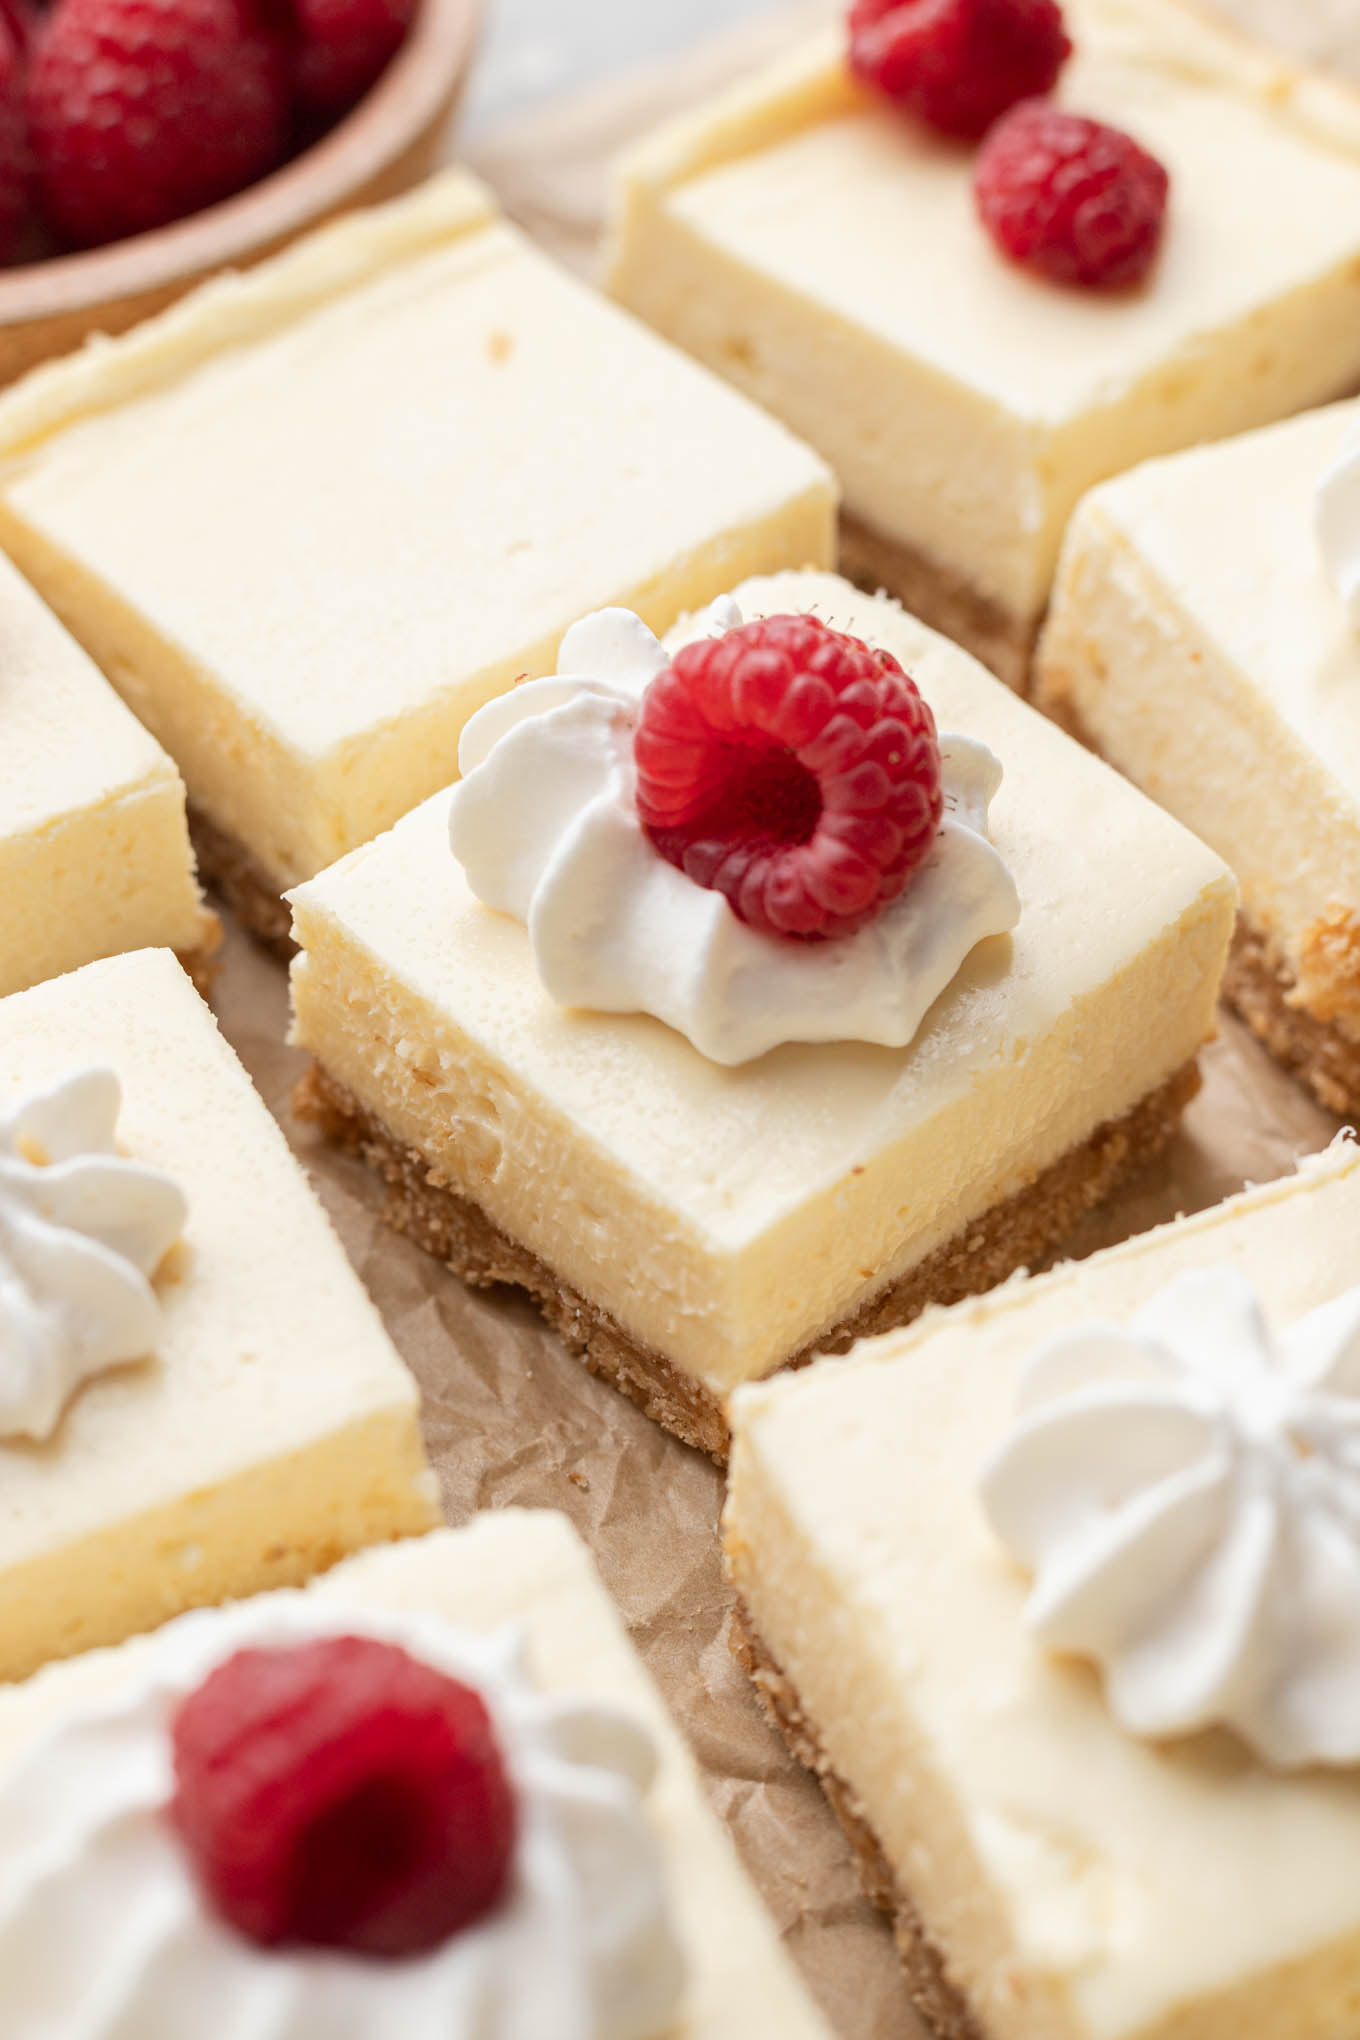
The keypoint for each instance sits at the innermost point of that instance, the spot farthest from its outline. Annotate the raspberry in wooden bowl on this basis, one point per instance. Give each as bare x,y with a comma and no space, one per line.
385,142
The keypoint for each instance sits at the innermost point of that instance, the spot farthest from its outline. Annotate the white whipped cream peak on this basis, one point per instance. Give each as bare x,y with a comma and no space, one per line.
545,825
1338,522
82,1230
104,1934
1185,1490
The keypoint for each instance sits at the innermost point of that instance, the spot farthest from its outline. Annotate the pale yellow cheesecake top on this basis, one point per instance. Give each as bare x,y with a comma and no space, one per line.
530,1570
1198,636
275,1427
312,517
94,848
1085,1885
835,232
728,1215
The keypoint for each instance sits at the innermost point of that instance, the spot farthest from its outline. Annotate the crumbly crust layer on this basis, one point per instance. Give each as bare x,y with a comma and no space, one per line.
1023,1231
1262,989
935,1997
203,964
941,598
253,896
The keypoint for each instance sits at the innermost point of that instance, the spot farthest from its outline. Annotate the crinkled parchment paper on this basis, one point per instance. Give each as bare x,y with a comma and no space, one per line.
509,1417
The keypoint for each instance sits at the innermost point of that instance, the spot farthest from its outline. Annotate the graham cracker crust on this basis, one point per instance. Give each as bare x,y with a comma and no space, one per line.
1023,1231
941,598
202,965
940,2004
1261,988
253,896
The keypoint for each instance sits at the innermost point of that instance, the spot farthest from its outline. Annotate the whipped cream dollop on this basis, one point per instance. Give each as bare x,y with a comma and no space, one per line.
104,1934
545,825
1338,522
1185,1490
82,1231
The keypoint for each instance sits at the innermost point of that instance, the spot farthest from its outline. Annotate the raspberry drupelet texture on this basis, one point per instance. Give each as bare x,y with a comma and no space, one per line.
958,65
15,161
792,769
142,111
342,1794
341,47
1079,202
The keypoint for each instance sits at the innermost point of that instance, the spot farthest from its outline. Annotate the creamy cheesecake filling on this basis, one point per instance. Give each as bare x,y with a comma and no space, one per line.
94,850
726,1218
1197,644
824,255
274,1429
313,518
112,876
1081,1885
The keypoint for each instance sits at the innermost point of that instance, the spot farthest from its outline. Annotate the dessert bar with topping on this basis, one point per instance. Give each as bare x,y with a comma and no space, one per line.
197,1398
637,1070
435,1794
1059,1595
820,245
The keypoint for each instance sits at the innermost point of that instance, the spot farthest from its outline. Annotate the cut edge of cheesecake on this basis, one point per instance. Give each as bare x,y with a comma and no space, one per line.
1295,1017
1023,1231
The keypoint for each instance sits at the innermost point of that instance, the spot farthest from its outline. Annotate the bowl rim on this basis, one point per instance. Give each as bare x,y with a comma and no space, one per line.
411,94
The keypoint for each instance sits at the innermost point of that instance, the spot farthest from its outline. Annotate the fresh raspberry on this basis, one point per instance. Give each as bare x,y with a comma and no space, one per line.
792,769
341,47
958,64
342,1794
15,161
141,111
1079,202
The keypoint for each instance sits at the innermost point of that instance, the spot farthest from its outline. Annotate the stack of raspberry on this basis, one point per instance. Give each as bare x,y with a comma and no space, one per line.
117,116
1076,201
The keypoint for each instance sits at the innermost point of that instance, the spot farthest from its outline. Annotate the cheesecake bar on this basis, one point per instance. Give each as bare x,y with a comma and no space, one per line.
585,1718
1051,1871
94,847
1199,643
312,517
688,1223
821,250
270,1429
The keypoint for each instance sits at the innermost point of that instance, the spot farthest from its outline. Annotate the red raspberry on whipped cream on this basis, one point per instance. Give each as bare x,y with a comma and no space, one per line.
342,1794
792,769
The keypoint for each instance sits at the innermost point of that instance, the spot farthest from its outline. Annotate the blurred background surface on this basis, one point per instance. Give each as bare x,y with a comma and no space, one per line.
538,49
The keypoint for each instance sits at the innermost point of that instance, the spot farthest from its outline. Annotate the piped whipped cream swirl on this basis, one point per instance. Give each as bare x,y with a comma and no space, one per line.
104,1935
1185,1490
1338,522
82,1231
545,825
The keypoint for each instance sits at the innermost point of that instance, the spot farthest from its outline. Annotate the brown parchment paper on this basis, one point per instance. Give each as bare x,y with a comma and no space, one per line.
510,1418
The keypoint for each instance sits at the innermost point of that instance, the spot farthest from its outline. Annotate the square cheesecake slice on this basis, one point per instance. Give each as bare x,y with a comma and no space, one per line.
1051,1875
312,517
94,846
823,252
517,1571
271,1428
1198,642
688,1225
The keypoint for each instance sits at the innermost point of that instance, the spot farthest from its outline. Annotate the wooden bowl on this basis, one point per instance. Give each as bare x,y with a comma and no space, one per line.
388,143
